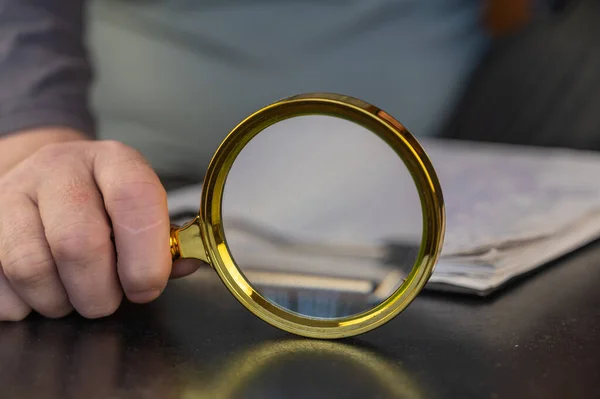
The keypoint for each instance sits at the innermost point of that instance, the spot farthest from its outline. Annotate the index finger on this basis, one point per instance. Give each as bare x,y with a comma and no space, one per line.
136,203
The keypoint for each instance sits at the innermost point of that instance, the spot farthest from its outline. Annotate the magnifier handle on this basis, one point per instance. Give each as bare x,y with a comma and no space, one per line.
186,242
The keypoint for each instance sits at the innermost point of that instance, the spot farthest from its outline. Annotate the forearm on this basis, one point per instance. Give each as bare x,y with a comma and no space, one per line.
45,75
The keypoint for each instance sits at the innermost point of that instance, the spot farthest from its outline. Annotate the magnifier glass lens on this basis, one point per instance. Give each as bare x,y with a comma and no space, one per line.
321,216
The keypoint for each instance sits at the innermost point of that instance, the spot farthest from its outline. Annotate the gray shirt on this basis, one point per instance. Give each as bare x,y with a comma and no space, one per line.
45,75
172,78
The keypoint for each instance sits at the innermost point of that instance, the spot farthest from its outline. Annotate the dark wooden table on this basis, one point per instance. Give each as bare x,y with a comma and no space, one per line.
538,338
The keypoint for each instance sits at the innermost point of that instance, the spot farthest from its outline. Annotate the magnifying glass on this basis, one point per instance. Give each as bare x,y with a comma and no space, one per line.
321,214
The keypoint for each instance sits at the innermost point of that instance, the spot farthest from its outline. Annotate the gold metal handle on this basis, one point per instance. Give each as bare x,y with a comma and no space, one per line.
187,242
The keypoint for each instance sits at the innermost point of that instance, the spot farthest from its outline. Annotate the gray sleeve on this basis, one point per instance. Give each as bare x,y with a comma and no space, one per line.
45,74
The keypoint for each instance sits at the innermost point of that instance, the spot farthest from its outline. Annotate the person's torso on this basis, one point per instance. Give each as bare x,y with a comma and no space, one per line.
174,77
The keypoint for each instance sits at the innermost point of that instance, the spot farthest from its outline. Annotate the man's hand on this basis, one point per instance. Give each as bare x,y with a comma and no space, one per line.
58,208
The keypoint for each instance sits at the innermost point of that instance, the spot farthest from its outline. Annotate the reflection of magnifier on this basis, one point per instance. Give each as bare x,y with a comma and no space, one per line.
267,363
330,167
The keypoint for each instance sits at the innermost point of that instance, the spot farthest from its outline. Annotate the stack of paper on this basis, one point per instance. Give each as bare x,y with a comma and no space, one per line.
509,210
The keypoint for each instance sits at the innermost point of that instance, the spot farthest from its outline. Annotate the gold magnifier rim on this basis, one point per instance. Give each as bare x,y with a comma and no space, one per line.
398,138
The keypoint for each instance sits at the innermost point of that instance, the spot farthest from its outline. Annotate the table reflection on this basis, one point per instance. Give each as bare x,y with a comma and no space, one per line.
73,358
54,359
308,368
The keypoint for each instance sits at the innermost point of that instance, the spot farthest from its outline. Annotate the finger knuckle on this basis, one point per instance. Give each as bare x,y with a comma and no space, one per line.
27,264
80,242
127,158
135,186
50,153
7,192
118,147
139,196
15,219
77,195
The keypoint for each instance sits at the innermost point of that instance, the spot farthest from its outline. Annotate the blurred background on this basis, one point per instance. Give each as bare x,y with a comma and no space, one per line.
173,77
539,82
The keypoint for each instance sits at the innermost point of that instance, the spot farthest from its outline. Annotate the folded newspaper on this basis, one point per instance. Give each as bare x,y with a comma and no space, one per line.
510,209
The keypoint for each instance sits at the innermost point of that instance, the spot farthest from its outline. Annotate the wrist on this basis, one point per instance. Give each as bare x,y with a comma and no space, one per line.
18,146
